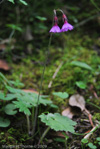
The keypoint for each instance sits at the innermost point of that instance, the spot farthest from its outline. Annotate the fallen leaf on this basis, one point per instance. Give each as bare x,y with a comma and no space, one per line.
30,91
78,101
67,112
4,65
71,111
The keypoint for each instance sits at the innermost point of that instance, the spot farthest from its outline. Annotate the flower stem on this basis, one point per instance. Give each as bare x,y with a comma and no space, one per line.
28,124
44,134
32,116
40,88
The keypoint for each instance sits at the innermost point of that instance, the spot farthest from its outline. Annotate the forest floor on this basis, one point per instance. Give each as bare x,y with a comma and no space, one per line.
72,77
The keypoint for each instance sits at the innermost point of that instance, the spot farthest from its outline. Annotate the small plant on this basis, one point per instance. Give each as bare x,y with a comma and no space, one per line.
86,143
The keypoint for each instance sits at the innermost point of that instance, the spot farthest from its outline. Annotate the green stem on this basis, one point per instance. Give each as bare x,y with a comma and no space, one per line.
44,134
40,88
28,124
32,116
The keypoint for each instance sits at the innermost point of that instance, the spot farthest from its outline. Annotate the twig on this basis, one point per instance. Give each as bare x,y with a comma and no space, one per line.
86,112
92,130
94,127
55,74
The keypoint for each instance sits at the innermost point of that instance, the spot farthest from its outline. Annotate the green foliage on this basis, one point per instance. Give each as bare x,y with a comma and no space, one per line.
10,109
25,100
58,122
21,1
12,1
62,95
81,84
14,27
81,64
98,138
4,122
92,146
23,107
84,141
16,83
41,18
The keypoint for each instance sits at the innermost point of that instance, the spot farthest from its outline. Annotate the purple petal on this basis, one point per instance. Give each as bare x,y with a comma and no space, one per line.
66,27
55,29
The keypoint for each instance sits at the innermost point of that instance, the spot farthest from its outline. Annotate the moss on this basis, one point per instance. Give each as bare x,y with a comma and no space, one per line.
29,70
96,116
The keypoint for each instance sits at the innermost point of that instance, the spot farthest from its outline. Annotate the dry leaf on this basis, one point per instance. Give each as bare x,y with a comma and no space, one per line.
30,91
4,65
78,101
67,112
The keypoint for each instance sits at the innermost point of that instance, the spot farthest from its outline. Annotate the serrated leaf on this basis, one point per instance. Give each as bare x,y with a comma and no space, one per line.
8,97
62,95
81,64
10,109
16,83
58,122
22,107
14,90
4,122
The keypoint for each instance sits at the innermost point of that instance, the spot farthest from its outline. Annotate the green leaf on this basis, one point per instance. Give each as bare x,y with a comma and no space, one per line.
92,146
59,140
26,100
98,138
22,107
2,96
4,122
62,95
23,2
81,84
53,106
12,1
81,64
58,122
9,109
41,18
14,90
16,83
84,141
8,97
14,27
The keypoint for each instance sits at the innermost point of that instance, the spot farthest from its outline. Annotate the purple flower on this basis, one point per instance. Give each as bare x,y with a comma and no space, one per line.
66,27
55,29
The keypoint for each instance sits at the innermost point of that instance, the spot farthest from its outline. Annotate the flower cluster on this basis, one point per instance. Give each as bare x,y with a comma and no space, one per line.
66,26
